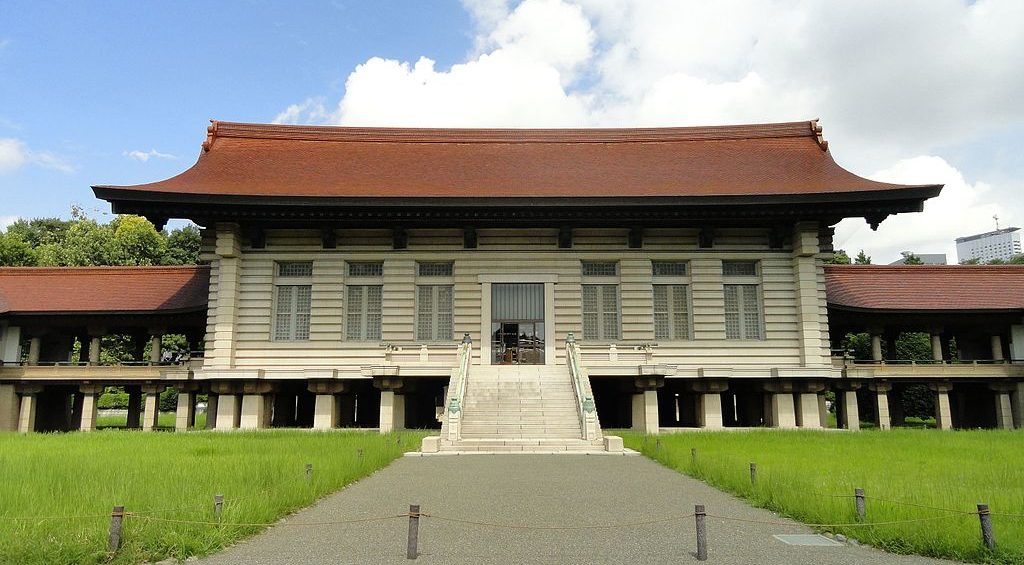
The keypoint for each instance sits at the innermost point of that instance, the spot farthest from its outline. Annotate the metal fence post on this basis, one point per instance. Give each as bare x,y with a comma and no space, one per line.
753,474
858,495
309,472
218,505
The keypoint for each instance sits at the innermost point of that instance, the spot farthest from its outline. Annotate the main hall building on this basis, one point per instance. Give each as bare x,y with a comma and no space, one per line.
518,289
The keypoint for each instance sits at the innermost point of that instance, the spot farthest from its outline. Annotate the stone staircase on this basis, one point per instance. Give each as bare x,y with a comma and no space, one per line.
513,408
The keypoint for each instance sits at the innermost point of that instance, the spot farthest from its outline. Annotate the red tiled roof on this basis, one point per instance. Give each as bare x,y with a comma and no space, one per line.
93,290
265,160
925,287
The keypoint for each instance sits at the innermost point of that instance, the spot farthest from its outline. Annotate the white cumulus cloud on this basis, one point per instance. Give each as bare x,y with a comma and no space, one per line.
147,155
15,153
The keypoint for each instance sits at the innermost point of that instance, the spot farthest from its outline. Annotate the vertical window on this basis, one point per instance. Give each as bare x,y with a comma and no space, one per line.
743,317
671,311
601,312
363,301
363,304
433,312
293,299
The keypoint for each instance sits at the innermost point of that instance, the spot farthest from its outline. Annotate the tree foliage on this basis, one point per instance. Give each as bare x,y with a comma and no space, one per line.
82,241
862,259
840,258
911,259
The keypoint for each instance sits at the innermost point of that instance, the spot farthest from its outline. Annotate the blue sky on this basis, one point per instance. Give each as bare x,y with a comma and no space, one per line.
916,91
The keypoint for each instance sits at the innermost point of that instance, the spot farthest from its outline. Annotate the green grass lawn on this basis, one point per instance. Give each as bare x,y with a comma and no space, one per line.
163,420
171,476
810,476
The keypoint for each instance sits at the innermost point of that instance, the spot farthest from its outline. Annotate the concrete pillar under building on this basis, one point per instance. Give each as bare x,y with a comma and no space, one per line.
185,413
211,410
325,412
8,408
710,411
876,347
822,411
27,413
997,348
89,412
134,407
34,348
229,411
645,412
94,350
392,411
1017,402
150,411
783,412
808,415
882,409
937,347
850,410
943,414
155,348
1004,411
256,411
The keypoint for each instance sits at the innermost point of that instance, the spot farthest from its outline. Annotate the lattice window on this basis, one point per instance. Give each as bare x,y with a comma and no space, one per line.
295,269
435,269
742,311
671,311
366,269
434,312
601,312
739,268
291,319
363,312
669,268
600,268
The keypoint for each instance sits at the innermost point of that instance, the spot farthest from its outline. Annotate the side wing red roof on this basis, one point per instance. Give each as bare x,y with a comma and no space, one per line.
925,287
94,290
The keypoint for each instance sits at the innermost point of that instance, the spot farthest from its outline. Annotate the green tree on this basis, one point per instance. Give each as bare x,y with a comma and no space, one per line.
970,262
136,242
183,246
840,258
996,261
862,258
1017,260
911,259
15,251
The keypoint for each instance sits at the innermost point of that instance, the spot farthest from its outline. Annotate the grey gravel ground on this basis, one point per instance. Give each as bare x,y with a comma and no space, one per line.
558,490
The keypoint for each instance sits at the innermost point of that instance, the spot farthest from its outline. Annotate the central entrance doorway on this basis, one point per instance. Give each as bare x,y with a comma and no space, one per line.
517,323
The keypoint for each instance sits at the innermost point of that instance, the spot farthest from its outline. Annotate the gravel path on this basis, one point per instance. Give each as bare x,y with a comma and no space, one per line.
538,490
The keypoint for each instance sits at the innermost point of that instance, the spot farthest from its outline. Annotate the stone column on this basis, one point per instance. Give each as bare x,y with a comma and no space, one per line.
134,407
185,414
8,408
387,411
327,407
256,410
155,348
808,276
1004,413
325,413
645,412
710,414
937,347
997,348
27,412
227,268
850,410
881,390
151,407
229,411
822,410
1017,401
34,346
783,412
808,413
876,347
211,410
94,350
90,396
943,414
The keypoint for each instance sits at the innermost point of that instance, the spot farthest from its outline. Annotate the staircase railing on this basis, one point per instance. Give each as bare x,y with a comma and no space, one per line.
581,384
457,388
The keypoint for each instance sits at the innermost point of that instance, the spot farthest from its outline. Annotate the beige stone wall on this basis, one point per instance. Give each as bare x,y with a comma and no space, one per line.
792,286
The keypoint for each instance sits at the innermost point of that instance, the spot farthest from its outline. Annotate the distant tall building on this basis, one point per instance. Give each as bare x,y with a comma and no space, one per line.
1000,244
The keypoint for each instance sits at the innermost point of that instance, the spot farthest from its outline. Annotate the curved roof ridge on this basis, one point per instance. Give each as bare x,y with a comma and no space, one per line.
217,129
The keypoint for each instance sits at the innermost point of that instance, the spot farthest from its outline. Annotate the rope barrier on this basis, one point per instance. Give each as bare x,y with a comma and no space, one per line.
839,525
582,527
266,524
